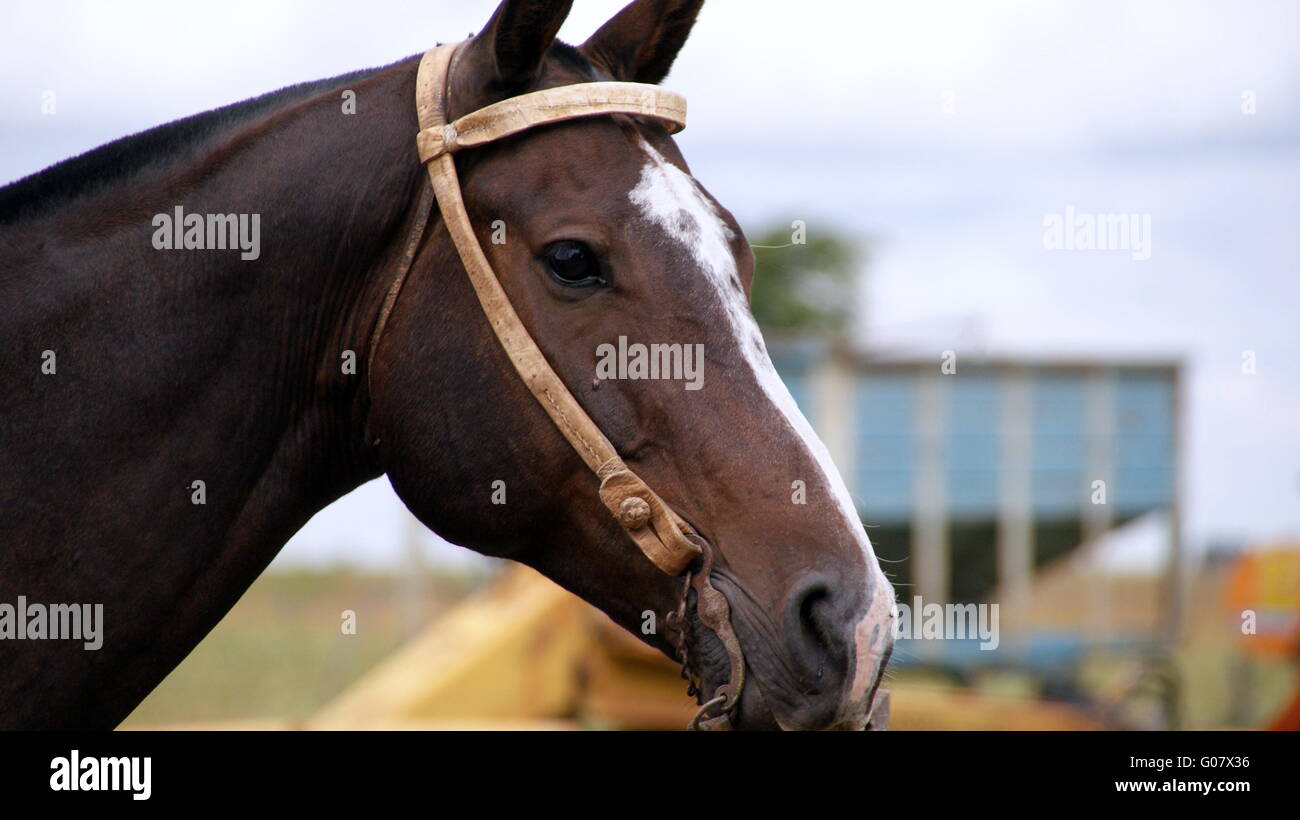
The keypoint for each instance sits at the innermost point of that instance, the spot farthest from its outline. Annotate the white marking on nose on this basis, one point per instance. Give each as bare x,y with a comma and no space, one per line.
672,200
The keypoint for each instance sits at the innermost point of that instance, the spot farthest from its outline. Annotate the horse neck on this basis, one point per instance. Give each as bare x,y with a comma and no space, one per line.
184,366
288,332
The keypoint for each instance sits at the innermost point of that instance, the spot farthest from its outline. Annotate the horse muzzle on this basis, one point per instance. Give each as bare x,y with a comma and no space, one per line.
817,666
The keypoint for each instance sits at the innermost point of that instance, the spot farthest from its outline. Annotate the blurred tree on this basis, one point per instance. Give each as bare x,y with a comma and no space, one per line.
805,282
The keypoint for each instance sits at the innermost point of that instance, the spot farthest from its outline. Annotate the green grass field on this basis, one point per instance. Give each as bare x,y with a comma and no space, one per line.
281,653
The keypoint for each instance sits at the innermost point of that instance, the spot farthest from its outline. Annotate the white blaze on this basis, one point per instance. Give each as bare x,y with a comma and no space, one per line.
671,199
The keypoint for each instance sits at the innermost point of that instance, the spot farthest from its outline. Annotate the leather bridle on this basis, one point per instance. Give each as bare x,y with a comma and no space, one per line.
661,534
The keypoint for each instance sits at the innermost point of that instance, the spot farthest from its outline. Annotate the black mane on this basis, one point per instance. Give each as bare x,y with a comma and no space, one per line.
69,179
86,173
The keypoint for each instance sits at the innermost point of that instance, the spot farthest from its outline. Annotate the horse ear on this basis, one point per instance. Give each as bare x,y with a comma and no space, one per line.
641,41
512,44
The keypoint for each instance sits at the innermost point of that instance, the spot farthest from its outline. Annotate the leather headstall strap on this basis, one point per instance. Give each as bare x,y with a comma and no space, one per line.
655,528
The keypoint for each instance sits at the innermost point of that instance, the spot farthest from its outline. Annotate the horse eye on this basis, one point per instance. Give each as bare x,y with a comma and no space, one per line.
572,263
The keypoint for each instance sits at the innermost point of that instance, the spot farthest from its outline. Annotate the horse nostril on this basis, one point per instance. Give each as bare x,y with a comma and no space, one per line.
816,628
818,683
836,643
814,602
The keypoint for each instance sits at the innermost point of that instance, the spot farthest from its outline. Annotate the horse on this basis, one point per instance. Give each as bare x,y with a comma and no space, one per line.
172,415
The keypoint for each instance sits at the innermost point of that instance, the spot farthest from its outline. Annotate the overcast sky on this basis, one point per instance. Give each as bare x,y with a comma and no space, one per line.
942,132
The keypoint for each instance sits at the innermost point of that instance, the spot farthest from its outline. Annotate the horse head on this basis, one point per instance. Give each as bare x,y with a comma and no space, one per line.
634,283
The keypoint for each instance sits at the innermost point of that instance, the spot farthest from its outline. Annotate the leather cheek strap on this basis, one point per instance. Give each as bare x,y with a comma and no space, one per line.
658,531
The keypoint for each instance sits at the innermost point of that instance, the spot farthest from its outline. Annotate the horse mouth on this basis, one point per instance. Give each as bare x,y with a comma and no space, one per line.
878,719
755,713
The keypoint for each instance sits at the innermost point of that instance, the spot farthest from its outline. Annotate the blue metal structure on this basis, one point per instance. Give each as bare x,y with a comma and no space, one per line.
1141,416
1078,422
